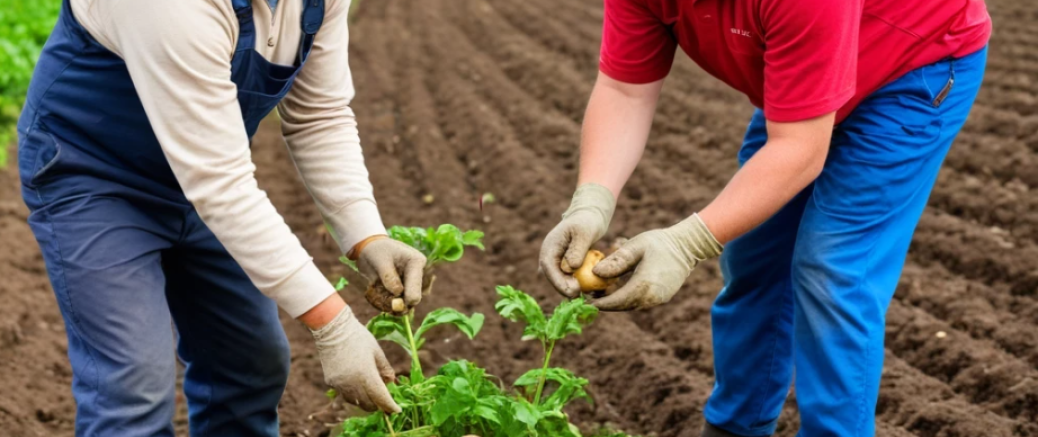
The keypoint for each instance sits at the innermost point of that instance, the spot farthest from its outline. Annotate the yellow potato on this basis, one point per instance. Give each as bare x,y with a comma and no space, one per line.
398,305
589,281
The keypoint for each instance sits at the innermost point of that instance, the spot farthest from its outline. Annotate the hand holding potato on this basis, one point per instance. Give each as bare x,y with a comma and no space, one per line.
396,273
661,259
583,224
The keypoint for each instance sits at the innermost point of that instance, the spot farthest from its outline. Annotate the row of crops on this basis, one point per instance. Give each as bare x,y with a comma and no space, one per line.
24,27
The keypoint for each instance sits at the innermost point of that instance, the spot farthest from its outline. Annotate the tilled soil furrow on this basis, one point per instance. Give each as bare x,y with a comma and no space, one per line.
576,39
435,166
975,252
1004,123
921,405
36,374
975,369
563,142
1015,51
682,104
1024,103
551,78
984,312
376,81
1005,160
1017,68
1009,209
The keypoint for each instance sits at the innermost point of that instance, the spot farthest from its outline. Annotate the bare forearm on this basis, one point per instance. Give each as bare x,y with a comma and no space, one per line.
789,162
761,188
323,313
616,127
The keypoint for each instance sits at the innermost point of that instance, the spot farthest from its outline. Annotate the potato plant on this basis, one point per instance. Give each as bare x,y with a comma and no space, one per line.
463,399
443,244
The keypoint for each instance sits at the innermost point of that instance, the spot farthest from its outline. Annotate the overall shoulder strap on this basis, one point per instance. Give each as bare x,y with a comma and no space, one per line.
313,16
312,19
246,27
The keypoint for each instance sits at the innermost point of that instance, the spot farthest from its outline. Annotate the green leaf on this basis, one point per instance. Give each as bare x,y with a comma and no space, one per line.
349,263
414,237
526,413
570,317
487,409
389,328
517,306
331,394
445,243
370,425
455,401
341,283
556,424
567,387
473,238
461,385
470,326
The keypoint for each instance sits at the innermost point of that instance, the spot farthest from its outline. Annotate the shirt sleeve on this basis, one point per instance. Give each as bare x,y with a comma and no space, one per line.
810,56
178,55
636,46
322,136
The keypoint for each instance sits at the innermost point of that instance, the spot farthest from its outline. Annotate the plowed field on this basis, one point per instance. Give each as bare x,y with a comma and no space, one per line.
461,97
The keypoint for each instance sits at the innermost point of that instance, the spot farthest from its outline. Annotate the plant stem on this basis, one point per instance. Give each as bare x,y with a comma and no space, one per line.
416,365
389,424
544,372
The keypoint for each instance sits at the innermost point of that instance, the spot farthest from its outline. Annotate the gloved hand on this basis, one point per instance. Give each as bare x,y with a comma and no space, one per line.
354,364
583,224
662,259
382,261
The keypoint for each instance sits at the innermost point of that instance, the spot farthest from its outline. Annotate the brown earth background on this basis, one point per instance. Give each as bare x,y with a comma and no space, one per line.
461,97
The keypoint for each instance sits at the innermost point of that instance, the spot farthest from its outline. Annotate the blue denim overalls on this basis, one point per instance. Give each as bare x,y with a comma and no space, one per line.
129,257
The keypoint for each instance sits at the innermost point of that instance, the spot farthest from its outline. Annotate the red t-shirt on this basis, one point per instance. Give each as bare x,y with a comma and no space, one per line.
796,59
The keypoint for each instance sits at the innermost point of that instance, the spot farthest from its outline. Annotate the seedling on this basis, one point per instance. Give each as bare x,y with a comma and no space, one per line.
462,399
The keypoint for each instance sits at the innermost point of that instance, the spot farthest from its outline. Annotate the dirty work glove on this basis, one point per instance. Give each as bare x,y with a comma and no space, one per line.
384,261
354,364
586,221
662,259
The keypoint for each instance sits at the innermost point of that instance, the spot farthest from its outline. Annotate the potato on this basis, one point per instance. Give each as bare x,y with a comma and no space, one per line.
398,305
385,301
588,280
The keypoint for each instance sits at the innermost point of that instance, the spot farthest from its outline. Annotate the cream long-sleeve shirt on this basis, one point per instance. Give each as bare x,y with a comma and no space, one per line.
179,58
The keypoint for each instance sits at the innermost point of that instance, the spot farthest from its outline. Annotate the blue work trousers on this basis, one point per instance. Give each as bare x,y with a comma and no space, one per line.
127,268
809,289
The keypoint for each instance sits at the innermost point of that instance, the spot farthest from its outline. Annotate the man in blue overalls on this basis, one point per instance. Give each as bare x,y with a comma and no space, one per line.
135,163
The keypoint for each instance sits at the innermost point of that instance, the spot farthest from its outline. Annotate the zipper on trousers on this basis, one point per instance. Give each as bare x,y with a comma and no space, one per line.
941,96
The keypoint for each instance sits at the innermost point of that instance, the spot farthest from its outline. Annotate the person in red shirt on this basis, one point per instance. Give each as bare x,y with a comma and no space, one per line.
858,102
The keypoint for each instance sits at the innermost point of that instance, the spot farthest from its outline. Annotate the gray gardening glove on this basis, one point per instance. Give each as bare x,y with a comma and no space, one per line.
583,224
662,259
354,364
384,262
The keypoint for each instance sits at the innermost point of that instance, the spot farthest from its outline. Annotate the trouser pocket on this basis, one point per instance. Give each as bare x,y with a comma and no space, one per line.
939,79
38,155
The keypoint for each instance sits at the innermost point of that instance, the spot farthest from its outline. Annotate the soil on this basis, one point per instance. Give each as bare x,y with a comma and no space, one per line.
461,97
